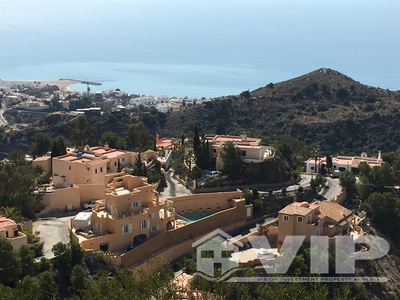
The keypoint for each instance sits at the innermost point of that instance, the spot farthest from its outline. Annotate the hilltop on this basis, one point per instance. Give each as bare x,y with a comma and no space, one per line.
324,108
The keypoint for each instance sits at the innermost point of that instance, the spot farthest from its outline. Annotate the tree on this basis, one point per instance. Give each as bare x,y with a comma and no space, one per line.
348,181
42,144
110,138
77,252
138,137
10,264
58,147
27,263
81,131
17,157
329,162
232,160
29,286
195,173
139,169
384,209
77,279
12,213
47,285
285,150
196,140
319,180
62,255
16,186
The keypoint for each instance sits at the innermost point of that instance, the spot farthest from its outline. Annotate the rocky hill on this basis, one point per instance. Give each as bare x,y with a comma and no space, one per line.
324,108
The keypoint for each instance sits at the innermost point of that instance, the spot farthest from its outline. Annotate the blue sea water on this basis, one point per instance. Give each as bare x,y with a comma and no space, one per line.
198,48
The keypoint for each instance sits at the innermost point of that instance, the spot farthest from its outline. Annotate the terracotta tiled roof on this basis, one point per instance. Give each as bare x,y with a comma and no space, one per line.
334,211
297,208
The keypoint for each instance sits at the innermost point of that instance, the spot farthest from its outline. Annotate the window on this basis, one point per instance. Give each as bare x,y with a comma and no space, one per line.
123,159
152,215
286,218
115,163
95,171
308,219
143,224
69,167
101,169
299,219
154,228
134,204
126,228
243,153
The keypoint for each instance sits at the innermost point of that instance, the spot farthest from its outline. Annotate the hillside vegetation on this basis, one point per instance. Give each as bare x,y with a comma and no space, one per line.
323,108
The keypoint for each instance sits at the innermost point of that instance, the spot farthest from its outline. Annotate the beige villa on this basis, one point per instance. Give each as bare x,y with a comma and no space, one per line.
10,231
130,214
79,176
343,163
251,149
132,224
313,219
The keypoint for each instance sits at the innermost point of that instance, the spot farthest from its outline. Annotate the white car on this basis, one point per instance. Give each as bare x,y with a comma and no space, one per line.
265,254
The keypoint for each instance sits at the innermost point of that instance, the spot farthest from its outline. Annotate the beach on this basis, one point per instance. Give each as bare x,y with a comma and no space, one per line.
62,84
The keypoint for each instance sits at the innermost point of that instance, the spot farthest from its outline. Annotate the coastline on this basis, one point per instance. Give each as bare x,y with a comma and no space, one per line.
63,84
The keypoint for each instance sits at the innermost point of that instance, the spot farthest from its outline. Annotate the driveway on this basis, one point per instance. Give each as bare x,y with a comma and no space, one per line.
174,187
53,229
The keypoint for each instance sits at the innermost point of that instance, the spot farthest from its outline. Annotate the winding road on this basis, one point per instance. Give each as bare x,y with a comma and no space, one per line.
3,121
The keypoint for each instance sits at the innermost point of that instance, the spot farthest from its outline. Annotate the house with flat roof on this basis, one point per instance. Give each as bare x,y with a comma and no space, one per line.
10,231
313,219
130,214
79,176
251,149
343,163
78,168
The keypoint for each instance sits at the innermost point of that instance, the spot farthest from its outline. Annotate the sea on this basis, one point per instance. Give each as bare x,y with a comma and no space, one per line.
206,48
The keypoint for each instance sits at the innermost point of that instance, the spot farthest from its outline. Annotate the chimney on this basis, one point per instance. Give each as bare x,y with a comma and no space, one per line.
379,156
106,146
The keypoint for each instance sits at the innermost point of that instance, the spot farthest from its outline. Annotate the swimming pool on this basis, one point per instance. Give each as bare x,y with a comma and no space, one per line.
195,216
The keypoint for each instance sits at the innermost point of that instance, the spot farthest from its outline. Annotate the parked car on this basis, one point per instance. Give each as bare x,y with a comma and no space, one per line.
213,173
336,174
88,205
265,254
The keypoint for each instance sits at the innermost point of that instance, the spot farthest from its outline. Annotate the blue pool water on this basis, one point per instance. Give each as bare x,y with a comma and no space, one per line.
195,216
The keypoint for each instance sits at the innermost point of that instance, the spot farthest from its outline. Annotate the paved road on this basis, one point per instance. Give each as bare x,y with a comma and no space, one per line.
332,189
52,230
3,121
174,187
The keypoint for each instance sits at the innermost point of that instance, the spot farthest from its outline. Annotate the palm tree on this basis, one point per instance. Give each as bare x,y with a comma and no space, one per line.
11,213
